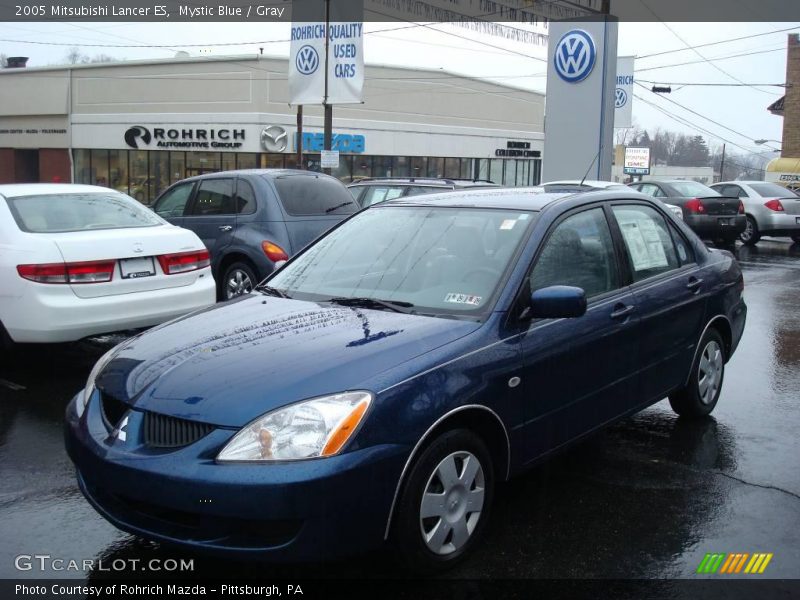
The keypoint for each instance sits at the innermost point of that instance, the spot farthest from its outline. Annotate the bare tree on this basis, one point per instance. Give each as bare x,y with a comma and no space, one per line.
76,57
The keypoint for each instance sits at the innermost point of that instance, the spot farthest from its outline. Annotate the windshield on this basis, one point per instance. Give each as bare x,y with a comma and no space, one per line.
692,189
765,190
431,259
59,213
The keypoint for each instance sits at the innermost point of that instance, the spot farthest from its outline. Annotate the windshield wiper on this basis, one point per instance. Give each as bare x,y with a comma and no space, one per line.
397,306
271,291
337,207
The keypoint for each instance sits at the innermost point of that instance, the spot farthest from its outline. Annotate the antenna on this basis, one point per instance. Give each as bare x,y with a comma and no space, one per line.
591,164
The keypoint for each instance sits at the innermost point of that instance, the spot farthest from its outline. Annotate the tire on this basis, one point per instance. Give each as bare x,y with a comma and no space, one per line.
439,541
6,343
750,235
697,399
239,278
796,239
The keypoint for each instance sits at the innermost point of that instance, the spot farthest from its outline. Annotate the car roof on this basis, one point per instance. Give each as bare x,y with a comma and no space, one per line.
520,198
257,173
430,181
595,183
744,181
14,190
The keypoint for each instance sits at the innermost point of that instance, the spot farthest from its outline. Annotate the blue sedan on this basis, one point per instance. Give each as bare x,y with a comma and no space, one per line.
379,386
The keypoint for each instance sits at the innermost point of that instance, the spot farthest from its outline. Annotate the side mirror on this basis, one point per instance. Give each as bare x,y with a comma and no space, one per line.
557,302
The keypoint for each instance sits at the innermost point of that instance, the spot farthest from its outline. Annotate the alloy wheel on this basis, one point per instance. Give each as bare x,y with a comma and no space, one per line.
452,503
709,373
748,231
238,283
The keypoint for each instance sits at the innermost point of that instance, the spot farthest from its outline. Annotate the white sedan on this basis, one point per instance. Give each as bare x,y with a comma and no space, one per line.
81,260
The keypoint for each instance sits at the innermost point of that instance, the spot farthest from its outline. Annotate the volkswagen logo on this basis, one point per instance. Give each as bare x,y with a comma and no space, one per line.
274,138
574,56
137,131
307,60
620,98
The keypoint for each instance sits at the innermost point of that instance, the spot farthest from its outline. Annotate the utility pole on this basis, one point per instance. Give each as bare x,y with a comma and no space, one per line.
722,165
299,142
328,108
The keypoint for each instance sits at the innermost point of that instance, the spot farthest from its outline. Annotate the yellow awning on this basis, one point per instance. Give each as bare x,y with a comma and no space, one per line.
784,165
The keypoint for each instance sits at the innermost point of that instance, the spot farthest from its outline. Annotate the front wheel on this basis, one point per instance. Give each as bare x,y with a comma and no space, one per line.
699,397
239,279
750,235
444,507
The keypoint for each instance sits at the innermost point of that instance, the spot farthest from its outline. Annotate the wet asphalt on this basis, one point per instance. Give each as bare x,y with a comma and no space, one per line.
645,498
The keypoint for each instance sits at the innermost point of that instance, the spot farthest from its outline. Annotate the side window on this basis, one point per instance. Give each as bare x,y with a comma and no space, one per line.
578,252
417,190
647,240
214,197
682,247
172,203
651,190
245,198
376,194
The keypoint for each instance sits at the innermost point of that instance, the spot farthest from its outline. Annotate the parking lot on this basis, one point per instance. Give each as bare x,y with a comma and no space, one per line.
646,498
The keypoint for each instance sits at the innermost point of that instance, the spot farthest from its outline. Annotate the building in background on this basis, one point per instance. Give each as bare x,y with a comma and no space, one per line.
786,169
138,126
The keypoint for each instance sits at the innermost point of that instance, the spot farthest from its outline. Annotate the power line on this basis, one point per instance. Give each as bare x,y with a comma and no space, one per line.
694,62
714,84
727,41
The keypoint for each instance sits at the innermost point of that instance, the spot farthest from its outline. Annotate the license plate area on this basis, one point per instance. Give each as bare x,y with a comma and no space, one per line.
725,222
134,268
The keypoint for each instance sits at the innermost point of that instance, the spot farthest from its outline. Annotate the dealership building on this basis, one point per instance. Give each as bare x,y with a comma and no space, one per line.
138,126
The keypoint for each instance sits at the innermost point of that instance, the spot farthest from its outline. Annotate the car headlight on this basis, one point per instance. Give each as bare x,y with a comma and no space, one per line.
309,429
88,390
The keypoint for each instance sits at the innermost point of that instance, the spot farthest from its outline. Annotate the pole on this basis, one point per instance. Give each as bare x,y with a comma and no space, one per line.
328,108
722,165
299,136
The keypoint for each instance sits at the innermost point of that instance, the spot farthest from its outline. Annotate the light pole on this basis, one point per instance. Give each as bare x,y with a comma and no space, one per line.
762,142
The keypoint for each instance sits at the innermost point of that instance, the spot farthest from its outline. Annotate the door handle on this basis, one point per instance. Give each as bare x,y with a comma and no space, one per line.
622,310
225,227
694,284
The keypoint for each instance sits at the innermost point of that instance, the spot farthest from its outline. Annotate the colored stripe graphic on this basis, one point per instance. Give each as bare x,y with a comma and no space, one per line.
731,563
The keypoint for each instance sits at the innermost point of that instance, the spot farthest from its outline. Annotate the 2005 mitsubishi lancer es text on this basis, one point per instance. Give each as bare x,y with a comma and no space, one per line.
378,387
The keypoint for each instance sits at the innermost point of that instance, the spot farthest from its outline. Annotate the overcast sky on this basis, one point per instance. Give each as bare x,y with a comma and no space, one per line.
741,108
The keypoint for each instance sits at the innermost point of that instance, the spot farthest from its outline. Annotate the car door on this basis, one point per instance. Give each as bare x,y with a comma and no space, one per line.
212,213
579,373
669,292
171,205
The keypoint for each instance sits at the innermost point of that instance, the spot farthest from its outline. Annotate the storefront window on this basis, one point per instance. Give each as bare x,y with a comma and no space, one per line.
400,166
466,168
274,161
247,160
83,167
452,168
362,166
99,167
496,170
419,166
198,163
289,160
510,174
118,170
177,166
523,171
159,173
139,178
228,161
313,162
344,172
536,174
382,167
435,167
482,171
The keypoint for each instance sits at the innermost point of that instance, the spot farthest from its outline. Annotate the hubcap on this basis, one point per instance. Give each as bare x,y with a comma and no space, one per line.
452,503
709,375
238,283
748,231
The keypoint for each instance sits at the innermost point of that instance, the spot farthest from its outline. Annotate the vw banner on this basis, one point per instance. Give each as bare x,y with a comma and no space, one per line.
623,93
345,62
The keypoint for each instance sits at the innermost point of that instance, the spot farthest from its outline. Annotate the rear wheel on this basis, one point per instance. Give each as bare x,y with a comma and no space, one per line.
699,397
445,504
750,235
239,279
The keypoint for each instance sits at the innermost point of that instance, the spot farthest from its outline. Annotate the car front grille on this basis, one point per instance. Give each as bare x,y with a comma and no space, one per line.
162,431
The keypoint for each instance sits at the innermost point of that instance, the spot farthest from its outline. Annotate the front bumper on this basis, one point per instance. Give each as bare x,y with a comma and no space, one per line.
296,511
716,226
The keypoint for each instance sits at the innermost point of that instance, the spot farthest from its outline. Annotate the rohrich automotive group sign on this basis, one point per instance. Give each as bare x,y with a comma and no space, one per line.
637,161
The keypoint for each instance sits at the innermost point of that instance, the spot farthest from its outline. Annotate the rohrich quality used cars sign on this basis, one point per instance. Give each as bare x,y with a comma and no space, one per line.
345,63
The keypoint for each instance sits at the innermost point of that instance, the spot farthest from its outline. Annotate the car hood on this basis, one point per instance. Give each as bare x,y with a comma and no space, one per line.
232,363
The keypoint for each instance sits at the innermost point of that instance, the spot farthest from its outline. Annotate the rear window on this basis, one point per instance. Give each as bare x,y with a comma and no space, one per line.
770,189
692,189
303,195
59,213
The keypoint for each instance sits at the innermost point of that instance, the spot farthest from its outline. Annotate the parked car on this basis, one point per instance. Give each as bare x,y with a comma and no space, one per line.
253,220
770,208
372,190
381,383
711,215
81,260
572,186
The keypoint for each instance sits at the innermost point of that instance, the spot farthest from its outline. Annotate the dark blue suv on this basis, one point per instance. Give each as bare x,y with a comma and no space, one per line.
251,220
